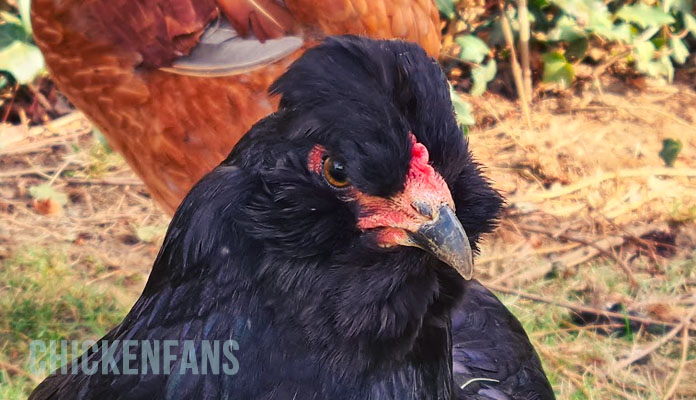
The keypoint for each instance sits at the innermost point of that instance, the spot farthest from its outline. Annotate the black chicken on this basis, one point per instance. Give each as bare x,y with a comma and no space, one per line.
327,246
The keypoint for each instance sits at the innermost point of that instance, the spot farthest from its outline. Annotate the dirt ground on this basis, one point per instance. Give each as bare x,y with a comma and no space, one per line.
595,253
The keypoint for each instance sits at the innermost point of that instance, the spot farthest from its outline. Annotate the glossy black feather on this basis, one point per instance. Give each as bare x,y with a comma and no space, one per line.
263,251
492,356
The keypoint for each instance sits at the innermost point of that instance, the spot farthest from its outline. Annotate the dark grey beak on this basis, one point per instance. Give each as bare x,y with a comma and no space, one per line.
446,239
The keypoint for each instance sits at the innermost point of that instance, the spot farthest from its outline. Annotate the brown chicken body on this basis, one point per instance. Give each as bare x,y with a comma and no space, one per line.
112,58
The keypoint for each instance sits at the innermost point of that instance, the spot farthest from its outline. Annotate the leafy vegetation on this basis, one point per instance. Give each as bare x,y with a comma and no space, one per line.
652,37
670,150
20,59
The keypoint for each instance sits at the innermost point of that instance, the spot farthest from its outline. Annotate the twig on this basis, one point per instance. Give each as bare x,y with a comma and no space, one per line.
57,125
685,324
106,181
523,17
26,171
678,376
59,171
621,174
12,100
576,329
603,67
40,97
656,110
584,309
516,72
40,144
604,250
110,274
511,272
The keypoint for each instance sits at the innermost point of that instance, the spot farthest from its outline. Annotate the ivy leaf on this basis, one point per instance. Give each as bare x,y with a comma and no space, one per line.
473,49
690,23
481,75
539,4
10,18
684,6
590,14
679,50
446,8
644,52
23,60
577,49
670,150
557,69
644,15
666,68
566,30
9,33
622,32
650,62
463,110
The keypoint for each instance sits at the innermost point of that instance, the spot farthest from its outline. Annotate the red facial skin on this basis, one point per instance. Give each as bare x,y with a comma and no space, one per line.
315,159
395,216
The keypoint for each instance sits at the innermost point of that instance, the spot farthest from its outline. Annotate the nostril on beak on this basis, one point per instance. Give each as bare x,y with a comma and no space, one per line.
423,208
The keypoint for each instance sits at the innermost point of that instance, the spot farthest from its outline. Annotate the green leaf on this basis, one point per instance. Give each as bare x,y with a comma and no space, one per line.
481,75
577,49
644,51
46,191
10,32
684,6
557,69
539,4
622,32
496,37
679,50
590,14
446,8
566,30
462,109
10,18
650,62
690,24
473,49
644,15
670,150
23,60
666,68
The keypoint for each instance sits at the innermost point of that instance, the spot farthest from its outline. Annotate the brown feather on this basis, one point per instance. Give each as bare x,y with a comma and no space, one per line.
172,129
265,19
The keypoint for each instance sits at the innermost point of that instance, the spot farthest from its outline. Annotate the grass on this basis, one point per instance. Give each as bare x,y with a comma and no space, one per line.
45,297
578,360
75,274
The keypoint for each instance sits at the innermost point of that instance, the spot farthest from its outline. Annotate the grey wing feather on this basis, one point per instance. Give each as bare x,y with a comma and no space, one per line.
223,52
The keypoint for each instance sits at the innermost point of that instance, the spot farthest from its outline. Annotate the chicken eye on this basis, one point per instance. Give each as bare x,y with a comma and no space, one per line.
335,173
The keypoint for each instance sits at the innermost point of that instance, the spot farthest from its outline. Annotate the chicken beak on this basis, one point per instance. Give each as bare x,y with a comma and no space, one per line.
446,239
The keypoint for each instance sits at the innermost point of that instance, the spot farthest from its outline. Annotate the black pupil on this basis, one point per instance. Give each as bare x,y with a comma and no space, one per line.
337,171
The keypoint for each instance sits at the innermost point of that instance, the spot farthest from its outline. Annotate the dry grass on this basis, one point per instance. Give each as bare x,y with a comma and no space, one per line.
595,223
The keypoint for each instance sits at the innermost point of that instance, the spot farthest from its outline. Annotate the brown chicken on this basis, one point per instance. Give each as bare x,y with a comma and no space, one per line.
174,84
